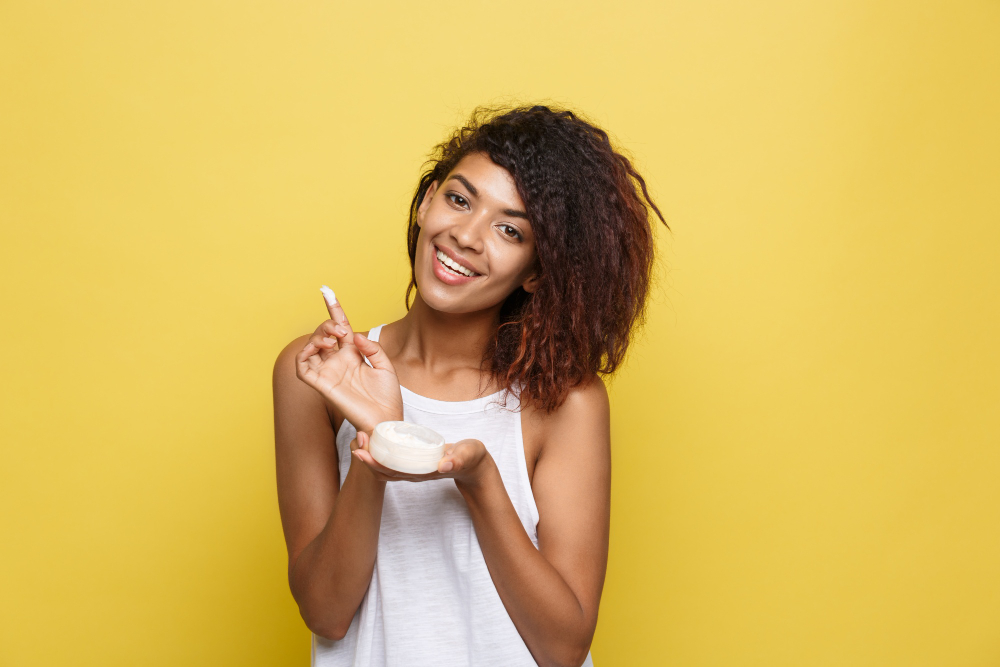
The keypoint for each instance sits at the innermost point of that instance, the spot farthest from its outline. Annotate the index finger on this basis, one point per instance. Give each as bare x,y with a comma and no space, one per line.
337,313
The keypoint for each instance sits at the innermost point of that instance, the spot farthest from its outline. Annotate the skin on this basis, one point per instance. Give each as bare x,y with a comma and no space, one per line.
551,593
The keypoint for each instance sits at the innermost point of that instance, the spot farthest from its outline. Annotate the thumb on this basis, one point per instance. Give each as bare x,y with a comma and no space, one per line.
452,459
360,441
373,352
461,455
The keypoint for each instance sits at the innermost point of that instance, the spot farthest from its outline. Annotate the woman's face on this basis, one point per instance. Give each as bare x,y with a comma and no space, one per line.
477,219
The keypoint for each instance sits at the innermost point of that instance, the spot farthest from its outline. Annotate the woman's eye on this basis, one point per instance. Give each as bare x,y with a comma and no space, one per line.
515,235
458,199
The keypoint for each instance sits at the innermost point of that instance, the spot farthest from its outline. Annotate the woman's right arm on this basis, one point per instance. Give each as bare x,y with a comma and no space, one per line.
331,532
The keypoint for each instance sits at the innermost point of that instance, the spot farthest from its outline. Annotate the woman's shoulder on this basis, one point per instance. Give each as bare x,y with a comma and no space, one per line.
586,398
585,404
589,394
284,365
582,420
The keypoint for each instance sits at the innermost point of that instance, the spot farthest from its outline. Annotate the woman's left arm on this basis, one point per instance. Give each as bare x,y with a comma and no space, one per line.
552,593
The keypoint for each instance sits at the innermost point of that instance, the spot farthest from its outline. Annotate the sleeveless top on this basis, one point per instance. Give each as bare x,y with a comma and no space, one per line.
431,601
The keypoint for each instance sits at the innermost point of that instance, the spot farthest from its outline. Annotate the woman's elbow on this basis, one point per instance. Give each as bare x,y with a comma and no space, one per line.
327,630
568,655
577,658
319,617
324,624
332,635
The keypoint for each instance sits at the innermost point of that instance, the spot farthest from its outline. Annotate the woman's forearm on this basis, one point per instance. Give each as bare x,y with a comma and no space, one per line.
545,610
330,576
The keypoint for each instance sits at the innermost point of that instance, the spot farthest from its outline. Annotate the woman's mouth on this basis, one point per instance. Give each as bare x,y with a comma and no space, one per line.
449,271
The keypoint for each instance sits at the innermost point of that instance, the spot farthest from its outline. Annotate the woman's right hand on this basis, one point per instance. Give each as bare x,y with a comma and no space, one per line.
333,363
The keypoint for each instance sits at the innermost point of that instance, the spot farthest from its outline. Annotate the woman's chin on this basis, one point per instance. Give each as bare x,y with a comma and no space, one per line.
448,305
443,302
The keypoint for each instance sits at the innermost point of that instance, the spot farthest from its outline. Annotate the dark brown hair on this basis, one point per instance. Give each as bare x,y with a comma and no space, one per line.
589,212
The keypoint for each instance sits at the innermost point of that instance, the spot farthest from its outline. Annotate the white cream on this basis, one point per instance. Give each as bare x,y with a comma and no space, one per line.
404,436
328,294
406,447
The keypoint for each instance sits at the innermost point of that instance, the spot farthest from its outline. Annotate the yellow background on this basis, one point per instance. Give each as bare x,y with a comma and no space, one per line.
806,436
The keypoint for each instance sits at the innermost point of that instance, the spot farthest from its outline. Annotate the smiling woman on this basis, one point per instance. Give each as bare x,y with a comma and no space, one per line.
531,249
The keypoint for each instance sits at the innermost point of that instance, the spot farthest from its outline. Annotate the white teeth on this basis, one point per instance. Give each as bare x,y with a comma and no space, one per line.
451,264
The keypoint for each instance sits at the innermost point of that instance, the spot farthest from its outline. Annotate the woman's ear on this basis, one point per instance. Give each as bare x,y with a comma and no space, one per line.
425,203
531,284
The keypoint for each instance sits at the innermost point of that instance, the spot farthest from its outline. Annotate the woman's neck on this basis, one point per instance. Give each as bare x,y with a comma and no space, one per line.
441,343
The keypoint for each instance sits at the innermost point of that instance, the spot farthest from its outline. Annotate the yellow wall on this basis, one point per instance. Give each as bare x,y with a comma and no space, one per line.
806,468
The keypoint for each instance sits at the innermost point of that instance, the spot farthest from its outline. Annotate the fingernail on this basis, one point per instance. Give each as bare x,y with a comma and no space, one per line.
446,466
328,294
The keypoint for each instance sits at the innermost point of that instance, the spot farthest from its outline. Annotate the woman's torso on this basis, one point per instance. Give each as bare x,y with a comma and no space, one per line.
431,600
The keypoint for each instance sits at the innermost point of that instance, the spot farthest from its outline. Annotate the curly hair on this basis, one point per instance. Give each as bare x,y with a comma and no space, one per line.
594,244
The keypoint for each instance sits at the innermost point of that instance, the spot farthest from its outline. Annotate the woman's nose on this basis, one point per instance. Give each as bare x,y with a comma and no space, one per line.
468,232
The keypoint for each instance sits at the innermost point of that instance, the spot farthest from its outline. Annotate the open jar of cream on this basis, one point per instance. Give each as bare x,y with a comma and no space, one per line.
406,447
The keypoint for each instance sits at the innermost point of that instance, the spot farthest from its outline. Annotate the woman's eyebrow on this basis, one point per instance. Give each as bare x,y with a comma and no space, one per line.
514,213
465,182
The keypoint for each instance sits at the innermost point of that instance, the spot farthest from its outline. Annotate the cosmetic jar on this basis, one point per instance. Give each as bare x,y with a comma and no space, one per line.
406,447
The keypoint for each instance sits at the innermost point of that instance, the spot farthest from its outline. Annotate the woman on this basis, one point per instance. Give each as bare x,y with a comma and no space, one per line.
531,250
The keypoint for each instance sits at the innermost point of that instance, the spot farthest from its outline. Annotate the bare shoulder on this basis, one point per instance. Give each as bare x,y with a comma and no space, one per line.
582,421
284,365
587,400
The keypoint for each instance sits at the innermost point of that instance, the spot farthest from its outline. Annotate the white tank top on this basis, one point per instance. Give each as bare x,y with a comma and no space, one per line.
431,601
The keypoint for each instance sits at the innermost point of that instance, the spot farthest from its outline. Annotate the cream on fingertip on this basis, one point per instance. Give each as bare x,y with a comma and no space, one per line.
328,294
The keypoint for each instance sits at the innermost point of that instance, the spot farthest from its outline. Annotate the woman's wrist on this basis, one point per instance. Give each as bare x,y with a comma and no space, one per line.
365,475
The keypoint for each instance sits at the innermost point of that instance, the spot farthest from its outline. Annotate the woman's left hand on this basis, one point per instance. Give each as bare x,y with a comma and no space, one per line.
462,460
